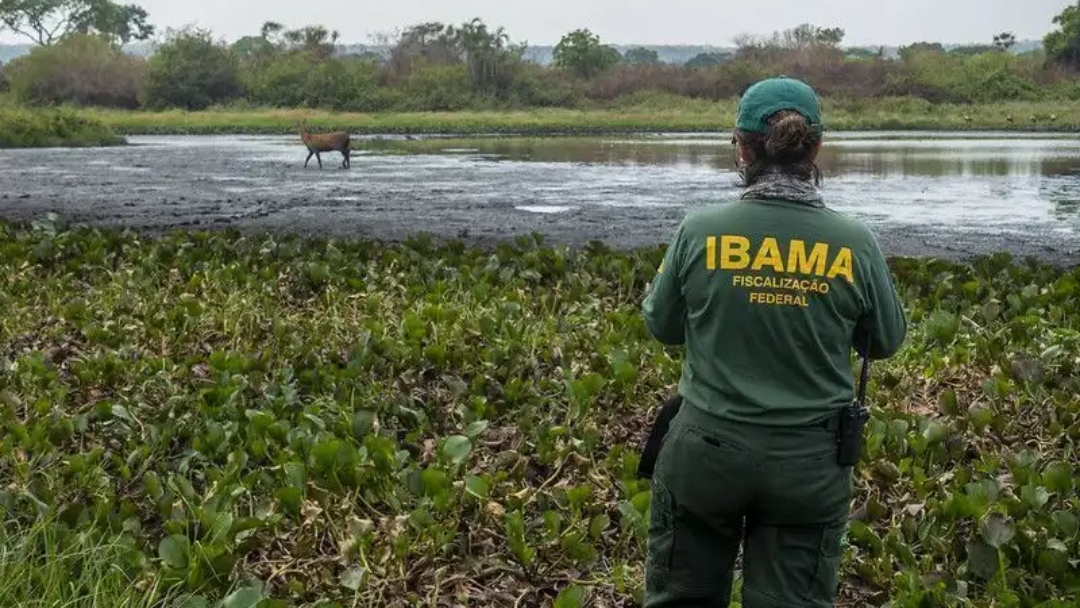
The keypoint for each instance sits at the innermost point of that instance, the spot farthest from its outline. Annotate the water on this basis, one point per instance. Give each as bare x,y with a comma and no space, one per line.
999,180
929,187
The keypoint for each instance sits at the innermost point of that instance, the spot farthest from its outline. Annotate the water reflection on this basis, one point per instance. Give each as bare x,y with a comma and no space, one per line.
974,156
1021,183
1003,181
570,150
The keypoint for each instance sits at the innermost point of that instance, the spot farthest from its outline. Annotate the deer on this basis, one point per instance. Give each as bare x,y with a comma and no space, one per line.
317,143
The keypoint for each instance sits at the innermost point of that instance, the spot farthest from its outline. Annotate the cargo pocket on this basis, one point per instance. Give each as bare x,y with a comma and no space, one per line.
826,585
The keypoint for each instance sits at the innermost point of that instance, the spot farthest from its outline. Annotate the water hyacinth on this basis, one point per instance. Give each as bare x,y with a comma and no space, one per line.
41,128
238,420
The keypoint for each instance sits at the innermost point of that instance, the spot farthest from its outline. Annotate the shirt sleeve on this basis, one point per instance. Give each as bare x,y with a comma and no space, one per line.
665,307
884,323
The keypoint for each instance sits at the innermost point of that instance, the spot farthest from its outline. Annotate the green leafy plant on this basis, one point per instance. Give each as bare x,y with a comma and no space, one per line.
227,420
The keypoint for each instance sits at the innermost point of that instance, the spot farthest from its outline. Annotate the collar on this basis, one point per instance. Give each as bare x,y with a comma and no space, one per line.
774,184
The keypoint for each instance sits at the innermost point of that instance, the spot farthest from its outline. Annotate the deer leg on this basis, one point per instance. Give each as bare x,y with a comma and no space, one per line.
345,158
308,159
318,157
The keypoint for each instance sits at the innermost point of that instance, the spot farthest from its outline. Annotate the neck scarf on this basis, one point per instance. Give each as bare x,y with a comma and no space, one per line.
774,184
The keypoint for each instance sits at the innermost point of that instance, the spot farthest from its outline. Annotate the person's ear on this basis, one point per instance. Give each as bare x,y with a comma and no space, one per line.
746,155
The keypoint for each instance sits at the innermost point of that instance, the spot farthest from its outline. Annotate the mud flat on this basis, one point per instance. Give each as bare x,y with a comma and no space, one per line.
952,197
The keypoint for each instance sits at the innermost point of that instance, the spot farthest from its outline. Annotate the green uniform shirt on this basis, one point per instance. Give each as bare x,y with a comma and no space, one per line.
769,298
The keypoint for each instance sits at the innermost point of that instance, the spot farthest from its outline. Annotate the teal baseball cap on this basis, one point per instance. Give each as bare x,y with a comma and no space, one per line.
769,96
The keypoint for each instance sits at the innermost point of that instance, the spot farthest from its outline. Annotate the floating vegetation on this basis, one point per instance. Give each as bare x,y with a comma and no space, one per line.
230,420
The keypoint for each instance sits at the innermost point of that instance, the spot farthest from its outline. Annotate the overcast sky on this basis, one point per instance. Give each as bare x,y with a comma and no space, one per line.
716,22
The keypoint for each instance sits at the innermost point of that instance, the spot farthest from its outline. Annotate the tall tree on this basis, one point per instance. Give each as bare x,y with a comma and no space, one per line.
488,55
192,71
641,56
582,52
431,43
46,22
1062,45
1004,41
708,60
314,39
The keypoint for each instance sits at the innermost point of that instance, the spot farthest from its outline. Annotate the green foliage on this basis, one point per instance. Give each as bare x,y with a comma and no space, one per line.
47,22
52,128
258,418
52,564
582,52
440,89
191,71
640,112
1004,41
807,35
641,56
708,60
1062,45
296,79
489,58
437,67
80,69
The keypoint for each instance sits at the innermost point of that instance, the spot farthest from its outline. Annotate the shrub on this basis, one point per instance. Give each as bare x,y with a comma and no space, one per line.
535,86
82,69
299,79
21,128
439,88
192,72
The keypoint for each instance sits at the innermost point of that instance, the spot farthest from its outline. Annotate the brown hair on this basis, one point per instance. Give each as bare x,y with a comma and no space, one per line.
788,145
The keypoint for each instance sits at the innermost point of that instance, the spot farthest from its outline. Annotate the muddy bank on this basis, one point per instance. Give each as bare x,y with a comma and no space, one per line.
483,197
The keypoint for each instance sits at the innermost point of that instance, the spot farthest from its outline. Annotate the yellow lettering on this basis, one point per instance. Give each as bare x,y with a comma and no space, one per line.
842,265
769,253
733,252
778,299
660,268
780,283
799,262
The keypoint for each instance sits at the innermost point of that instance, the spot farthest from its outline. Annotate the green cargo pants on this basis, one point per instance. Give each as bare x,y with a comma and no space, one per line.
777,491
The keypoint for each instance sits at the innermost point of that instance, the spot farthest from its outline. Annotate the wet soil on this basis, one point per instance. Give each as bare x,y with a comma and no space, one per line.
259,184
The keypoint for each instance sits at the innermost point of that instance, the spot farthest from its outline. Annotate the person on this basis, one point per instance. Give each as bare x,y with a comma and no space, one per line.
768,294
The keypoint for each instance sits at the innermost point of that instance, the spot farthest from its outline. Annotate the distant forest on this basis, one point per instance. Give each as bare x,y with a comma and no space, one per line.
101,53
542,54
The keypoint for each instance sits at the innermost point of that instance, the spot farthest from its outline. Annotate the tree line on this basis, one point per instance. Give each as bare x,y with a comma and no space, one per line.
444,67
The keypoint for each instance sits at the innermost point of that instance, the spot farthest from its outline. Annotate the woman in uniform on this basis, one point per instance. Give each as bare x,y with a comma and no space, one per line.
768,294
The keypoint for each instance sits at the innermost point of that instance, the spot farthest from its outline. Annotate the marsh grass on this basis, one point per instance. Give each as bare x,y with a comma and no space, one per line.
44,128
635,113
50,565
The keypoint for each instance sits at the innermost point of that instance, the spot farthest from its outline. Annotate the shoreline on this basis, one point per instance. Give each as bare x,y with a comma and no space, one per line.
898,242
667,115
699,117
153,189
28,128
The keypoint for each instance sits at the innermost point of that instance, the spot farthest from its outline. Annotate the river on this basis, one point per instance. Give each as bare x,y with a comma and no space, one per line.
924,193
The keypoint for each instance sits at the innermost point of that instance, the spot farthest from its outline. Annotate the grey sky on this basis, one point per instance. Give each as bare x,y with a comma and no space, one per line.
630,21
